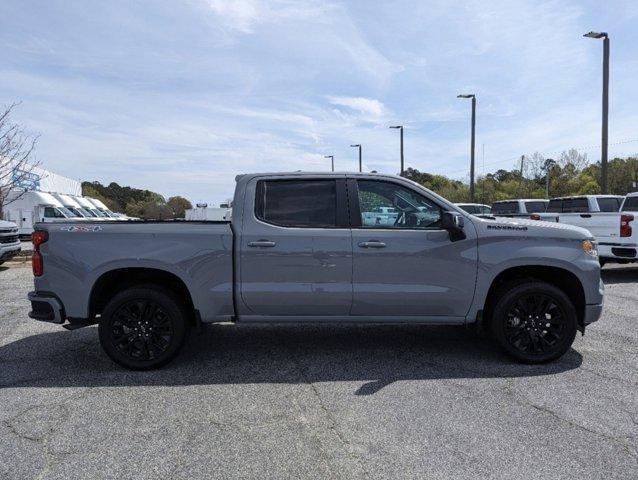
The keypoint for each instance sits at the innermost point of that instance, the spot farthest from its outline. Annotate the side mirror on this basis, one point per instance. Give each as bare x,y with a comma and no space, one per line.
453,223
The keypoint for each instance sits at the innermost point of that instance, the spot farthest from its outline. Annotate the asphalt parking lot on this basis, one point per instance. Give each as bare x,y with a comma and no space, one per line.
319,402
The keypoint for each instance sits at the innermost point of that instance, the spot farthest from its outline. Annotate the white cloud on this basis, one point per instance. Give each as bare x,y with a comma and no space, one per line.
368,106
238,15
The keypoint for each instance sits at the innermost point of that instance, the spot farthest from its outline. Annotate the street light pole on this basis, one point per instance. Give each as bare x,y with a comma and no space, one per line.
400,127
358,145
473,97
332,159
605,126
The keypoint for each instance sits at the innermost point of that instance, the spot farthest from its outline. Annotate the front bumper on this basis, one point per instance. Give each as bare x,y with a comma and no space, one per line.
8,252
45,307
592,313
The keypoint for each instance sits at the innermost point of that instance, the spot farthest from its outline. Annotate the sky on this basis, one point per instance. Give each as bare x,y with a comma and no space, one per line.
181,96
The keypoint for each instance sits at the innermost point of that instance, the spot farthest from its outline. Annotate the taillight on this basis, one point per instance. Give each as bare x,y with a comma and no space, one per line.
625,228
535,216
38,238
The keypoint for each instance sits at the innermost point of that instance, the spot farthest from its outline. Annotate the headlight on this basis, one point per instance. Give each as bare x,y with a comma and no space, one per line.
589,248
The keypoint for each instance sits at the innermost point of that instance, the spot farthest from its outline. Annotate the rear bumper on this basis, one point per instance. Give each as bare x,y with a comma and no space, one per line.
45,307
627,251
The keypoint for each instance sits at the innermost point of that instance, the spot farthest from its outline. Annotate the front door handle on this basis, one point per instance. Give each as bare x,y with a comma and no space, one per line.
585,215
372,244
262,243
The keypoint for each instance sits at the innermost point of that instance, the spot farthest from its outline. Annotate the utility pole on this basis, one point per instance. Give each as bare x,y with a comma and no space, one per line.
359,146
332,159
520,188
605,126
473,97
549,165
400,127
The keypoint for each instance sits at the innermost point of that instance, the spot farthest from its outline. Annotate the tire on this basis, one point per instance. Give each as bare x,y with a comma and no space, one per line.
142,328
534,322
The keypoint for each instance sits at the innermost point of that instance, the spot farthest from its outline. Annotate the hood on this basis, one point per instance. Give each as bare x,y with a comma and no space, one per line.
6,225
530,228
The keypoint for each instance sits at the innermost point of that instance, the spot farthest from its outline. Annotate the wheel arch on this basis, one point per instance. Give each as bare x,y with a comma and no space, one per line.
111,282
561,278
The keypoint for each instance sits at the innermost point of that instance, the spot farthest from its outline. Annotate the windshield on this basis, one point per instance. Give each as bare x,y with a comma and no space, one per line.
97,212
630,205
75,212
67,213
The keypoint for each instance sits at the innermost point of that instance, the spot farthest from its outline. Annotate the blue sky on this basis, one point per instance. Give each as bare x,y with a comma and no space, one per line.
180,96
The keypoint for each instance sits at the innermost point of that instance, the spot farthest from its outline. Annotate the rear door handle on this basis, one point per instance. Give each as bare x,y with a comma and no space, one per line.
262,243
372,244
585,215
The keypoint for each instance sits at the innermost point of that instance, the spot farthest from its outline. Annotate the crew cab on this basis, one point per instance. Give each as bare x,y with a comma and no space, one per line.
324,247
600,215
532,208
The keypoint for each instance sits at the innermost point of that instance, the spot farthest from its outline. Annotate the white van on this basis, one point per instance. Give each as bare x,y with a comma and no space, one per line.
26,208
102,208
90,208
70,203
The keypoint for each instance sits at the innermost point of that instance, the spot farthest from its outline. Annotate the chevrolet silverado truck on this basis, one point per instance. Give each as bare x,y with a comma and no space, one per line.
9,241
609,218
303,247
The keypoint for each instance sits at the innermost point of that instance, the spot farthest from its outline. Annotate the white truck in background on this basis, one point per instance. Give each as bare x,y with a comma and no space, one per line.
609,218
27,208
9,241
531,208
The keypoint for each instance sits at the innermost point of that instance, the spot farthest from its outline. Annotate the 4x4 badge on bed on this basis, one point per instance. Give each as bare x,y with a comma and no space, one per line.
82,229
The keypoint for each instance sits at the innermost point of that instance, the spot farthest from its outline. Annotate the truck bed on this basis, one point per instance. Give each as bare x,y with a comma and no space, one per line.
78,253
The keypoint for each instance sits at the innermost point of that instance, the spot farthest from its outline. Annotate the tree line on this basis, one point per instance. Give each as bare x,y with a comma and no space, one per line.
569,174
136,202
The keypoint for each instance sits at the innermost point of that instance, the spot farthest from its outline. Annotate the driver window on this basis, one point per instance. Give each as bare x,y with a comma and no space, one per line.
388,205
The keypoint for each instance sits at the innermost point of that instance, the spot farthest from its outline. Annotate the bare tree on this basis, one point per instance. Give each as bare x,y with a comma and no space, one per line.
16,157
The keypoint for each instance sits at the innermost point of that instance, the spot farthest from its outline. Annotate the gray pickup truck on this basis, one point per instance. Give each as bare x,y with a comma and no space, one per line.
305,247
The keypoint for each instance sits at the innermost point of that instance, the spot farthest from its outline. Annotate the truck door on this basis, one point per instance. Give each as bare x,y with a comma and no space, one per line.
296,248
404,264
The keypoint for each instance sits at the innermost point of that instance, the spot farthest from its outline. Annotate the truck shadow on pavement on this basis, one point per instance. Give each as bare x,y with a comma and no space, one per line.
374,356
623,274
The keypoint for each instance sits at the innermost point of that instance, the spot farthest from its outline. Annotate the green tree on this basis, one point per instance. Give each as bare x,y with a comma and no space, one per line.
178,206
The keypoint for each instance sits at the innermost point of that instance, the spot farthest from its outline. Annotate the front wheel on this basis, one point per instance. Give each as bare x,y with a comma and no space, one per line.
534,322
143,328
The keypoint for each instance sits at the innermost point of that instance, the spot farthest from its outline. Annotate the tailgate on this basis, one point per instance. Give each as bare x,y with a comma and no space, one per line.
603,226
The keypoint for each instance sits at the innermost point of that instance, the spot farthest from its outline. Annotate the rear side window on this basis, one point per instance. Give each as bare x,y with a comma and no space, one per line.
555,206
535,207
575,205
297,203
505,207
630,205
609,204
485,210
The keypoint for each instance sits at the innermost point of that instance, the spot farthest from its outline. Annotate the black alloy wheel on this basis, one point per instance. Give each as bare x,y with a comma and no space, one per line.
535,322
143,327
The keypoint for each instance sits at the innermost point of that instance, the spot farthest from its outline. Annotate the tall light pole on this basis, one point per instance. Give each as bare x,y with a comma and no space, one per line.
473,97
332,159
400,127
359,146
605,129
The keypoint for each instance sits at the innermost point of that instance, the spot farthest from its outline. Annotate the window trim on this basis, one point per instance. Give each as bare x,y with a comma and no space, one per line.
341,214
355,207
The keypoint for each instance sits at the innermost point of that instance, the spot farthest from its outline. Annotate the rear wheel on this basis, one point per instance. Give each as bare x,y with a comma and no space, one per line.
534,322
143,328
